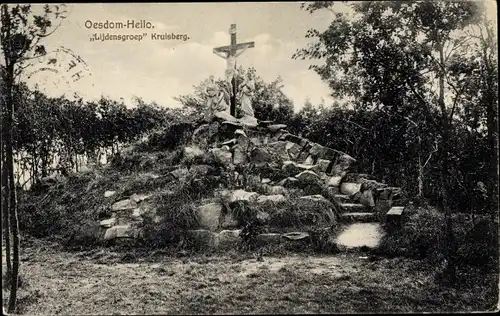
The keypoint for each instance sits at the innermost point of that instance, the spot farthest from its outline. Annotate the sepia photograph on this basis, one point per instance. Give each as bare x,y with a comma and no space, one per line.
322,157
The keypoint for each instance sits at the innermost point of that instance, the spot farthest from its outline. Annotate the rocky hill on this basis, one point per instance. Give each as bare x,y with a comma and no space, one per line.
232,182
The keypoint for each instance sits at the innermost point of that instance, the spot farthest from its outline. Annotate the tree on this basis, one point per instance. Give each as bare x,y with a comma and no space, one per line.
21,32
393,55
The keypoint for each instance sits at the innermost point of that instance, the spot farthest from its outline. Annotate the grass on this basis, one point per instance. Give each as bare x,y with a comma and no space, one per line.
109,281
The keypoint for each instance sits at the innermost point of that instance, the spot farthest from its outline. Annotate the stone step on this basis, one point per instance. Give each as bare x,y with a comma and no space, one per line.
353,207
359,217
342,198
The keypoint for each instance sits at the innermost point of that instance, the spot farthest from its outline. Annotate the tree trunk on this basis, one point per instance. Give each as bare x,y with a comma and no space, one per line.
444,174
8,124
5,212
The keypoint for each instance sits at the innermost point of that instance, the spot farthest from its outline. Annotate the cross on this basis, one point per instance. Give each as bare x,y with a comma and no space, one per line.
230,53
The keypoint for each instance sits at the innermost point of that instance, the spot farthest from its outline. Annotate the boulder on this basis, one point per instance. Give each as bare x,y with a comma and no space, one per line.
296,236
278,149
307,176
342,165
228,238
275,198
228,221
290,167
127,204
290,183
203,238
139,197
242,195
267,239
334,181
266,181
309,160
107,223
349,188
263,217
239,155
323,164
249,121
293,150
192,152
316,150
180,174
209,215
276,127
222,156
317,203
260,155
292,138
276,189
123,231
109,193
224,116
314,168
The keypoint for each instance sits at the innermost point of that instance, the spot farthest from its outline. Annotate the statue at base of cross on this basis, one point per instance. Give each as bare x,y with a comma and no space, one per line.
246,91
216,99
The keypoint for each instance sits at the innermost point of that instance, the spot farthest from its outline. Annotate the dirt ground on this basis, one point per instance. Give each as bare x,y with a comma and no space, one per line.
106,282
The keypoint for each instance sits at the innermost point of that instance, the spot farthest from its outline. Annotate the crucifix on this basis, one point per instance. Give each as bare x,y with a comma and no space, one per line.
229,53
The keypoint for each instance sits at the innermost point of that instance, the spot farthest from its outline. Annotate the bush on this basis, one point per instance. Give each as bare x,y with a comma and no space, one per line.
420,237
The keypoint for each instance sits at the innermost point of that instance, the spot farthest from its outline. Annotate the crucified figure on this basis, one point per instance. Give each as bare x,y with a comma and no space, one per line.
231,62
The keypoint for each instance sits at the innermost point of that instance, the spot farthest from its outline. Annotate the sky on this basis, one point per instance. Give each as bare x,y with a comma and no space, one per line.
159,70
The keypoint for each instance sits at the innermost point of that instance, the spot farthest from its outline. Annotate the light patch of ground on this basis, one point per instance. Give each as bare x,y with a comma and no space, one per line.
361,234
100,282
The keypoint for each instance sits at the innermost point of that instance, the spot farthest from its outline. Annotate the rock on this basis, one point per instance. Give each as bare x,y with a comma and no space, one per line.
229,143
228,221
180,174
203,238
224,116
349,188
192,152
123,205
276,127
107,223
278,149
292,138
296,235
310,167
275,198
249,121
242,195
276,190
309,160
394,216
139,197
123,231
334,181
260,155
290,183
209,215
222,156
293,150
109,193
316,150
317,203
263,216
266,180
267,239
323,164
307,177
239,155
290,167
343,164
228,238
